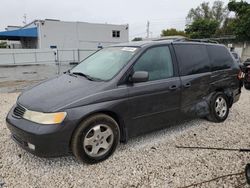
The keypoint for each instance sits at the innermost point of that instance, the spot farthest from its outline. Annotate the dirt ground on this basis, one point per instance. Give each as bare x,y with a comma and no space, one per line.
148,161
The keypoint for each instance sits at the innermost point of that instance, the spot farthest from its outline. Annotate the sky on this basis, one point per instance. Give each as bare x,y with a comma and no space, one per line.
161,14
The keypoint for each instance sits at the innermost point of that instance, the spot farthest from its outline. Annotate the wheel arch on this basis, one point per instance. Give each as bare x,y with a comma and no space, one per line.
115,116
228,93
119,120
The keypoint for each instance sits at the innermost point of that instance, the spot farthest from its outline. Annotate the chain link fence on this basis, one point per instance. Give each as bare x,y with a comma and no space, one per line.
24,66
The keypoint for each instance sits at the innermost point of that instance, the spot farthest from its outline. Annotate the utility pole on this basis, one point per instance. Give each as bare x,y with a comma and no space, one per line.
148,32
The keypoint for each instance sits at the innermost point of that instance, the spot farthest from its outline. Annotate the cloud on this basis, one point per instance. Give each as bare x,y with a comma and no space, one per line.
161,13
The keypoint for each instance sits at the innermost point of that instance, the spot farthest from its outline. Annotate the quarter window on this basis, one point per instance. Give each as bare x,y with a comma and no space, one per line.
220,57
157,62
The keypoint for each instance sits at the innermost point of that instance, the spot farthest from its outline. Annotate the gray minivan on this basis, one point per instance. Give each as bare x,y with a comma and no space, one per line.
124,91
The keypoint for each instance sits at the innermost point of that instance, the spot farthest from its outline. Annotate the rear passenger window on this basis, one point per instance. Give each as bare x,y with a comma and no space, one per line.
220,57
192,59
157,62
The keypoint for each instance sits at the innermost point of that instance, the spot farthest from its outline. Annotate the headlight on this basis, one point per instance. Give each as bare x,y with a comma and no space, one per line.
45,118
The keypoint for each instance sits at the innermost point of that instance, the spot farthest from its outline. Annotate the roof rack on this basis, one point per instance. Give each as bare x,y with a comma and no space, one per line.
184,39
172,38
201,40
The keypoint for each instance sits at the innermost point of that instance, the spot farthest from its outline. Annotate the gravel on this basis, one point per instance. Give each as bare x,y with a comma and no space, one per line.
148,161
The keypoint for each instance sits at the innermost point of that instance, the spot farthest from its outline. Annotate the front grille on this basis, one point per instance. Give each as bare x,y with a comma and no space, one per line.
19,111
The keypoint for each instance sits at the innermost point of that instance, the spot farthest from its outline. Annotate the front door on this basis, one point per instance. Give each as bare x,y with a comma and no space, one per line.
155,103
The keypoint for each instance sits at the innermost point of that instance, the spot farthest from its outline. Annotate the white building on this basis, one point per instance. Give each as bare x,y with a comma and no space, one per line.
44,34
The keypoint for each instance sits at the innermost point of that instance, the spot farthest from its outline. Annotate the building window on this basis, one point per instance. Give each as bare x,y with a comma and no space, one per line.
116,34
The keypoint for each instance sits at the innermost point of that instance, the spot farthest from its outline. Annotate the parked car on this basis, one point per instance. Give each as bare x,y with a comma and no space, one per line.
121,92
236,57
246,70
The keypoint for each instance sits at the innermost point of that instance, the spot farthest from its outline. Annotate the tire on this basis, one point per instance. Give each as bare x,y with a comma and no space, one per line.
247,86
95,139
247,173
218,113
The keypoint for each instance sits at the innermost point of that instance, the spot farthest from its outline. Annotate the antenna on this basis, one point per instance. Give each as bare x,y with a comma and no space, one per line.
25,19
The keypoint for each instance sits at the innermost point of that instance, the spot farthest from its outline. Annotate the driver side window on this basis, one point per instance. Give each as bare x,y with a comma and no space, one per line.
157,62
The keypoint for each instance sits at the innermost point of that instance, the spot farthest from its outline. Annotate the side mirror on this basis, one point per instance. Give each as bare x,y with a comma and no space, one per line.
139,76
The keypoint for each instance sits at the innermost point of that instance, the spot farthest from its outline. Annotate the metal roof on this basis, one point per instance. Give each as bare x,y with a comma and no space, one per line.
19,33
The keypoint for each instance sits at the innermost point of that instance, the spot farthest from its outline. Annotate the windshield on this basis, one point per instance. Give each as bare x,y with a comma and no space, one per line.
106,63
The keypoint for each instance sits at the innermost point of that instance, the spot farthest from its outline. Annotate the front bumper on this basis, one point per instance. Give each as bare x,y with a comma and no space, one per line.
49,140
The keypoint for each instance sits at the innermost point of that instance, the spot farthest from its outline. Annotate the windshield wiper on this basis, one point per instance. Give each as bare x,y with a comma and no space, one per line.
86,76
69,73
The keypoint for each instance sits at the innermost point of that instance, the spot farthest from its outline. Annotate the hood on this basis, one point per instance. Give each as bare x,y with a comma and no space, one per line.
58,92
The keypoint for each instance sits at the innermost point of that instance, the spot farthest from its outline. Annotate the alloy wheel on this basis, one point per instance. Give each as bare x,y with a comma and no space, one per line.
221,107
98,140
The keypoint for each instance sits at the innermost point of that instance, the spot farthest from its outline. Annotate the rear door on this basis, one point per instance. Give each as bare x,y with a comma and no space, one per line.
195,73
155,103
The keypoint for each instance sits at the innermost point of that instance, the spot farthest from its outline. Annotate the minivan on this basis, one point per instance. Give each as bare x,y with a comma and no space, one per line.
123,91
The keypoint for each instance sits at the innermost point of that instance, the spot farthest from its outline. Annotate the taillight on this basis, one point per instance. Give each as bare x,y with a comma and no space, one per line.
241,75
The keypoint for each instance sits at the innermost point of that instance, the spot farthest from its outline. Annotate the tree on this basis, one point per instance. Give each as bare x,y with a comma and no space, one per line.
202,28
241,24
209,21
137,39
201,12
3,44
217,12
172,32
227,28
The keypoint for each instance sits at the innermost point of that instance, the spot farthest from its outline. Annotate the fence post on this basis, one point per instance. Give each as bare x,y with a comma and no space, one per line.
74,59
78,54
58,61
14,59
35,57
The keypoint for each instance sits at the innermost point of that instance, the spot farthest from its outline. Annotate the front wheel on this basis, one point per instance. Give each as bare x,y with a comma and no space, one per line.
219,108
247,173
95,139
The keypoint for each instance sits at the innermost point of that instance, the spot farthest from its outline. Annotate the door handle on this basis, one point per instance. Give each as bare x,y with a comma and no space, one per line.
173,87
187,85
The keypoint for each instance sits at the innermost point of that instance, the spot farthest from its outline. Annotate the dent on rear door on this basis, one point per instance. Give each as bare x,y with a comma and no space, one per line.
195,99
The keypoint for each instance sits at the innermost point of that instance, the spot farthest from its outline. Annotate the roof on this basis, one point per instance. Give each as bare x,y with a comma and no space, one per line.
19,33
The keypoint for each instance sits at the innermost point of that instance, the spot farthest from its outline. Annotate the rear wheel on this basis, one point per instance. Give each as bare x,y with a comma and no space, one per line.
219,108
95,139
247,86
